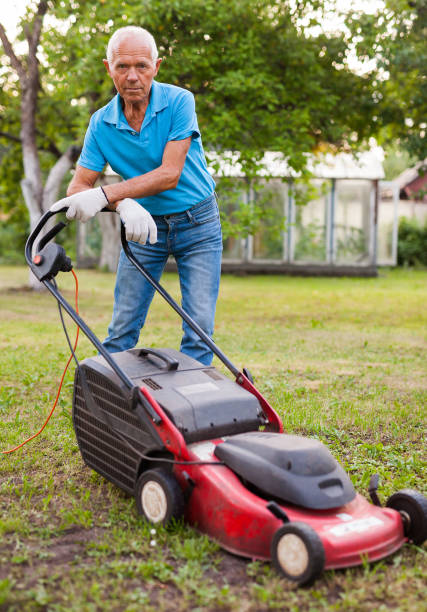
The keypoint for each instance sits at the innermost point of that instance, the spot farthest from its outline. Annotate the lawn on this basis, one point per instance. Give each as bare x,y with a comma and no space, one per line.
342,360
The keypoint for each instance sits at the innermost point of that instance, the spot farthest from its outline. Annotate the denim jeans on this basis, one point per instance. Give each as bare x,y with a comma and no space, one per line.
194,238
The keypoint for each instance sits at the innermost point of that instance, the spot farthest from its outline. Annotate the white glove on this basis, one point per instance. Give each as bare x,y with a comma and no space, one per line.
83,205
137,221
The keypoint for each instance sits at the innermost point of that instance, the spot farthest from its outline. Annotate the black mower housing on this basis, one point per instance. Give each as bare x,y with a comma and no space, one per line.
201,402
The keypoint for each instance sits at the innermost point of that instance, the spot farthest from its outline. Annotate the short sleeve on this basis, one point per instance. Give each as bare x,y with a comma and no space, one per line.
91,156
184,118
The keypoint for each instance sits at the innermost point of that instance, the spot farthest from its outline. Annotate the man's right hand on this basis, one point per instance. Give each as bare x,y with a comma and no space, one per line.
138,222
82,205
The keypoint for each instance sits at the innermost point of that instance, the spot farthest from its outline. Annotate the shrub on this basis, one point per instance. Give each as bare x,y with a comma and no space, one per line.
412,243
12,242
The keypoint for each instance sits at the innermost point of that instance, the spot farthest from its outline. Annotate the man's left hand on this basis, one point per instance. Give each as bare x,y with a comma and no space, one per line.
83,205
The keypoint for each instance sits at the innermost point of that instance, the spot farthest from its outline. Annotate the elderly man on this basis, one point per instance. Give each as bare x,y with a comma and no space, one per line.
148,134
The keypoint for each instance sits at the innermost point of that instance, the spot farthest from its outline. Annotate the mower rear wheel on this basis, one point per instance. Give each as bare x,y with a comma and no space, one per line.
413,509
297,552
159,498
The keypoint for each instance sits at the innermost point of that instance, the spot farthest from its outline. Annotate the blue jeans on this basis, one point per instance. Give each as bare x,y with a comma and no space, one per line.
194,238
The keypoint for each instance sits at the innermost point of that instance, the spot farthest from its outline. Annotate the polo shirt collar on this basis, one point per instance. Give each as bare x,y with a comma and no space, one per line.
158,98
114,112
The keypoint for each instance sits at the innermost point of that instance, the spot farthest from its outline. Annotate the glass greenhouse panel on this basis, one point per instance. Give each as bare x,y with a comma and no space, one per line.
352,225
310,222
232,196
386,222
270,199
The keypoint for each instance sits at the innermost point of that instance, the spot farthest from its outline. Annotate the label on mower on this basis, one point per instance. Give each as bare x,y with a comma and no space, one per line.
197,388
358,526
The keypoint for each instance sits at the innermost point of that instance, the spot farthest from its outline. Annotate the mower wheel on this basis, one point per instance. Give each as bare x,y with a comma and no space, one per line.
413,509
297,552
159,498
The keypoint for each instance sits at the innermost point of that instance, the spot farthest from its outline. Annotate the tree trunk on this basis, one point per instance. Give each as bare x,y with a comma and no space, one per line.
27,70
110,229
56,176
110,250
48,197
33,209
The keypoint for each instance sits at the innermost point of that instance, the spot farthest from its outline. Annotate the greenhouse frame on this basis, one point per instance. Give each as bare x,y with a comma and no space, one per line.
341,227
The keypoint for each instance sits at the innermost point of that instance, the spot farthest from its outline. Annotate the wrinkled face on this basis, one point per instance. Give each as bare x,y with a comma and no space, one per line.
132,69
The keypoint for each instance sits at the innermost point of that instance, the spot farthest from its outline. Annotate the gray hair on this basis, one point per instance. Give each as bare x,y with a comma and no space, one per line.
123,32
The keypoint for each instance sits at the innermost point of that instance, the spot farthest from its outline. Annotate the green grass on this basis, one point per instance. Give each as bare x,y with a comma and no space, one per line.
343,360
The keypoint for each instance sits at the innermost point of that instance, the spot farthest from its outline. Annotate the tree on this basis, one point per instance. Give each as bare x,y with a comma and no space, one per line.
262,81
38,195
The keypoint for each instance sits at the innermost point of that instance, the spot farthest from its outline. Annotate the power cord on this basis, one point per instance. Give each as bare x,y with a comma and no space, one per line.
73,349
73,356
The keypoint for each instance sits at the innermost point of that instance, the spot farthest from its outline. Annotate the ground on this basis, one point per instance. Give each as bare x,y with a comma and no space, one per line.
342,360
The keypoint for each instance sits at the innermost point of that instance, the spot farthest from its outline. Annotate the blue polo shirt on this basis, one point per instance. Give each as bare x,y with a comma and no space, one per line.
170,115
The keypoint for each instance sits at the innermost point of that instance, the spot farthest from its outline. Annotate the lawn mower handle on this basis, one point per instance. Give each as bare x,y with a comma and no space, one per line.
29,247
63,261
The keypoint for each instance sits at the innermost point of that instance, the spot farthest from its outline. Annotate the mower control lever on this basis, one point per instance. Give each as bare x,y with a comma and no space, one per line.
139,399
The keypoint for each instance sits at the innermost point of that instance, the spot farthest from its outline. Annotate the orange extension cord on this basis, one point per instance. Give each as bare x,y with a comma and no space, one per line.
60,384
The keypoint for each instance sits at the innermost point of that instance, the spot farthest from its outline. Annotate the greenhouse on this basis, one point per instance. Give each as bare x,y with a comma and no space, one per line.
334,223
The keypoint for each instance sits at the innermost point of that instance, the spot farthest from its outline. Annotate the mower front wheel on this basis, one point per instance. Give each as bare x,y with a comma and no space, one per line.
297,553
159,498
412,506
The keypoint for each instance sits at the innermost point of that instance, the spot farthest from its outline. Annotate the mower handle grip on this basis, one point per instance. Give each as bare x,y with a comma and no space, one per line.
49,236
171,363
36,231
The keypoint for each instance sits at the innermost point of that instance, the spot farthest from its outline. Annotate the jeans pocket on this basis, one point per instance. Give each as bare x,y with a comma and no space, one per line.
205,212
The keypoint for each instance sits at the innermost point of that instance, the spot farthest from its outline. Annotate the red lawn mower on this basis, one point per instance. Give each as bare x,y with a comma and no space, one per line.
186,440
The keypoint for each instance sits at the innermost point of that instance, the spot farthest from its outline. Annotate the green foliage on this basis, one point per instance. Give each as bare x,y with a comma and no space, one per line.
311,237
352,244
258,78
11,173
246,206
14,224
412,243
396,160
395,37
13,236
14,233
311,240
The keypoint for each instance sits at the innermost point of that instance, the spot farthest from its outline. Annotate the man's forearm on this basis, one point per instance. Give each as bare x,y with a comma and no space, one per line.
81,181
165,177
151,183
76,188
139,187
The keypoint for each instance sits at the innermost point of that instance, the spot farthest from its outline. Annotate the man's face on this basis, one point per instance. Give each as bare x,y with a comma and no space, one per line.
132,69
